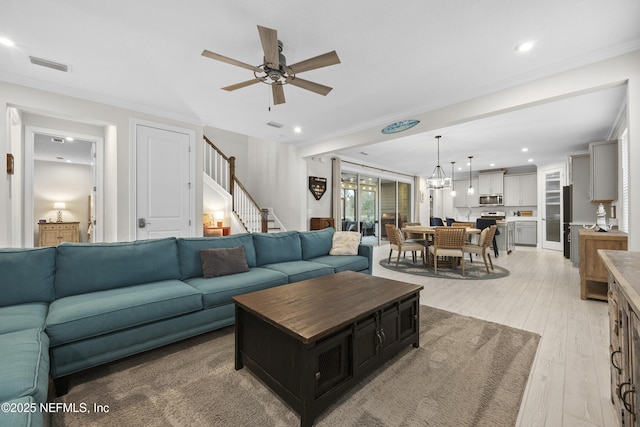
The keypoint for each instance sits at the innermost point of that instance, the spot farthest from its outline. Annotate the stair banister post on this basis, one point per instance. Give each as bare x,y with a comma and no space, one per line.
265,217
232,175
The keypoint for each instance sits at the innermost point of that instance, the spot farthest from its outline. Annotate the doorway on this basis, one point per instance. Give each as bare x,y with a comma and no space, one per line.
62,182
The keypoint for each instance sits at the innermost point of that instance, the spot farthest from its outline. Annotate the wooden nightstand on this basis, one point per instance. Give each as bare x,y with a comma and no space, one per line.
210,231
54,233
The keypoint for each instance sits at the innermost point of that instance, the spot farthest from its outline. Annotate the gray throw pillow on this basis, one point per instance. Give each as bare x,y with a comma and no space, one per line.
223,261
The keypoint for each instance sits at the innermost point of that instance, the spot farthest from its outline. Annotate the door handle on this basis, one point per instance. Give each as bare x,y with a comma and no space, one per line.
142,223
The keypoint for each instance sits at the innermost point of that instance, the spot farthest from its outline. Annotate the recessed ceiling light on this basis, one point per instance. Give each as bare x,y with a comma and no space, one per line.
530,160
68,161
525,46
460,168
297,129
68,138
525,149
492,164
7,42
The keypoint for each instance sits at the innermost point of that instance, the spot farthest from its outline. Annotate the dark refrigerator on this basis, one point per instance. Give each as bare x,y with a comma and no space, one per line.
567,216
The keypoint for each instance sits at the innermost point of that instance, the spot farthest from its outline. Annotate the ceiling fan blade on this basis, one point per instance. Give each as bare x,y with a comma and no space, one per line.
231,61
278,94
324,60
313,87
269,40
241,85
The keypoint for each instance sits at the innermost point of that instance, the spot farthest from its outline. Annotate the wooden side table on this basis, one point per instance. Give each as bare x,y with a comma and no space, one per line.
321,223
210,231
54,233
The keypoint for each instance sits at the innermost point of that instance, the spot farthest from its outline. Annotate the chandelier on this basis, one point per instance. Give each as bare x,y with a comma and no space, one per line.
438,179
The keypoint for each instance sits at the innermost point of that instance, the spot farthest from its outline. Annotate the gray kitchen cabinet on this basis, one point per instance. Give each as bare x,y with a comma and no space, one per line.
526,233
521,190
491,183
603,171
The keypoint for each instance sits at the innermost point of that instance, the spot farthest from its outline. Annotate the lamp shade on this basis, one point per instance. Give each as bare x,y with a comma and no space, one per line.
59,205
219,215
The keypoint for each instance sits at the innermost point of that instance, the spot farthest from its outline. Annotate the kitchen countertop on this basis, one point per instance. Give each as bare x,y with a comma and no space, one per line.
522,218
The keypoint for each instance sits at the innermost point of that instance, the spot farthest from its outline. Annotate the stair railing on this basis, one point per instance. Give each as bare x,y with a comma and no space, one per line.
222,170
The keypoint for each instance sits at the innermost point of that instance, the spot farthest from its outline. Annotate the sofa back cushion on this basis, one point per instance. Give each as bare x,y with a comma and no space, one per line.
316,243
189,251
84,268
27,275
272,248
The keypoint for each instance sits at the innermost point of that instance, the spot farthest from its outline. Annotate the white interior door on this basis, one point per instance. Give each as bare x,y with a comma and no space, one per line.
163,183
552,209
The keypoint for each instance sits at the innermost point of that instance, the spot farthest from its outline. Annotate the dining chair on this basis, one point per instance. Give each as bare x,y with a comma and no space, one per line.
399,244
413,237
436,222
448,242
486,237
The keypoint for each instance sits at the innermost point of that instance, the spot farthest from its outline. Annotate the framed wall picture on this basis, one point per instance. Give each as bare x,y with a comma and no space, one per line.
317,186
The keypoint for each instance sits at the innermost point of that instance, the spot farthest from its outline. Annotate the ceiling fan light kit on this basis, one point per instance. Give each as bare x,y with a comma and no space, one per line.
274,70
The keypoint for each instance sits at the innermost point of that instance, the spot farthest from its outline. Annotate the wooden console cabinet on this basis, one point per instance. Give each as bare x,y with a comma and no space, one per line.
54,233
624,332
593,274
321,223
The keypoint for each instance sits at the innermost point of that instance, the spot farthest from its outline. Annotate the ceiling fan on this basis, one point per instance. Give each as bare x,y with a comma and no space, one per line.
274,71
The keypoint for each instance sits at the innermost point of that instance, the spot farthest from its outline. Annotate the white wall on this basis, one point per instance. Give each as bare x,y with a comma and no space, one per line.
61,182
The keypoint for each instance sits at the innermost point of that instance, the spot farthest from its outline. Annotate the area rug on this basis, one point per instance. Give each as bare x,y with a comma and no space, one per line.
472,270
466,372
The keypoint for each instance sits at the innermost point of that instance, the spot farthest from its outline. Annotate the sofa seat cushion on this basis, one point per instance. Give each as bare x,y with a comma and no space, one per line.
24,418
344,262
23,316
218,291
301,270
25,365
87,315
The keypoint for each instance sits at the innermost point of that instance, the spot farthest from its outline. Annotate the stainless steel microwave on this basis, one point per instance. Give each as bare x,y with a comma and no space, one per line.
491,200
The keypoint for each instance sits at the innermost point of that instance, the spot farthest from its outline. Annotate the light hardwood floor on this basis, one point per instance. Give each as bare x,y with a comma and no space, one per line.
569,380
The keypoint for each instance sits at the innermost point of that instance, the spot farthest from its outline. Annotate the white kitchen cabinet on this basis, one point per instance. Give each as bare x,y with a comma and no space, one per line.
604,171
462,199
521,190
491,183
526,233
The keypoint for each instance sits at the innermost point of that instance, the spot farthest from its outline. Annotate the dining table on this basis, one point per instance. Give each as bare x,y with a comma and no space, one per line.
427,231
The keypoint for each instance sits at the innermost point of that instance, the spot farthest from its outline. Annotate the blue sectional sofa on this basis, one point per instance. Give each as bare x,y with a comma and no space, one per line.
66,309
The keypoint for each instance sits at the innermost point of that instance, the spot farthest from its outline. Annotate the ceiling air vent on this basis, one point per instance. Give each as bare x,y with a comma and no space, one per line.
57,140
275,124
49,64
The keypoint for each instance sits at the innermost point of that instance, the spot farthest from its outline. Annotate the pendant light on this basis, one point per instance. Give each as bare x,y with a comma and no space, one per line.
470,190
453,188
438,179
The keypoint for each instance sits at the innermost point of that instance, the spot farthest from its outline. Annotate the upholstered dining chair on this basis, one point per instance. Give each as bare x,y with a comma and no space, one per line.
399,244
436,222
448,242
486,237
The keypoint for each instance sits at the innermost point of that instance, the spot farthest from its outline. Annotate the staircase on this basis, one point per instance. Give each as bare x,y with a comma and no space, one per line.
221,169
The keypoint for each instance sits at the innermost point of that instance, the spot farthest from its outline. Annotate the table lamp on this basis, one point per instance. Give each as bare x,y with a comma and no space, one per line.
60,206
219,216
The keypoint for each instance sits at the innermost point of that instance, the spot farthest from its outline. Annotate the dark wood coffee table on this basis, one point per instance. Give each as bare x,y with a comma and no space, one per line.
310,341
